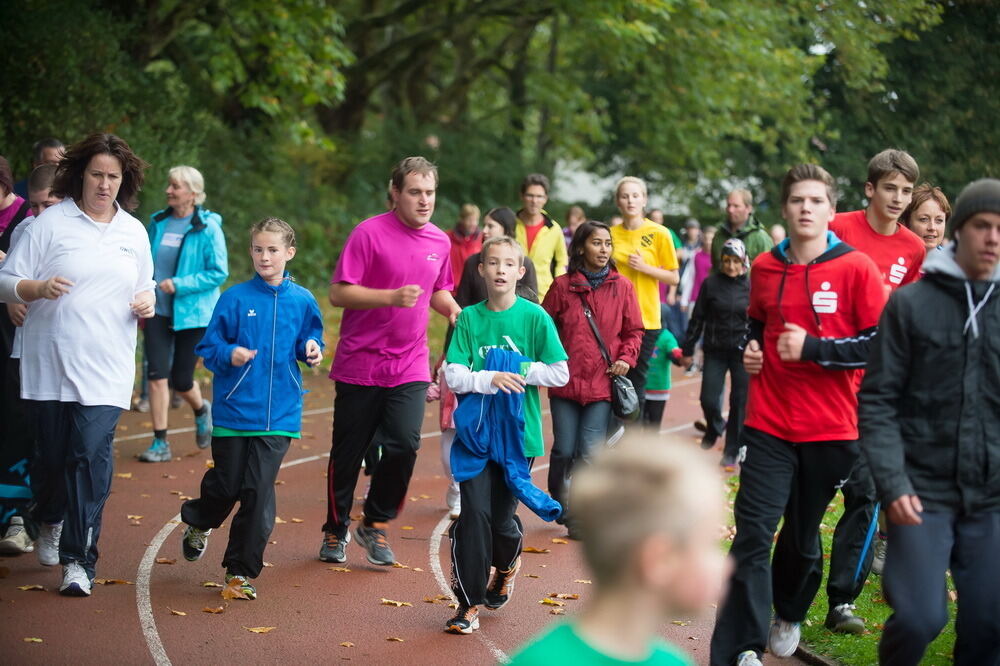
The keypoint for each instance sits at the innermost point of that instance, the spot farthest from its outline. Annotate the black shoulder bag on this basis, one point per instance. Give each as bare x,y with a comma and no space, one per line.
624,401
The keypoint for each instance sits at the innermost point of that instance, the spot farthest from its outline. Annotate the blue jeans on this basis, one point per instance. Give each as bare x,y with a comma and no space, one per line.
577,430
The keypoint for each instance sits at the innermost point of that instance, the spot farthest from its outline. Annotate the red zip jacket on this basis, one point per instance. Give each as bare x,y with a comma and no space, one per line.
616,312
837,298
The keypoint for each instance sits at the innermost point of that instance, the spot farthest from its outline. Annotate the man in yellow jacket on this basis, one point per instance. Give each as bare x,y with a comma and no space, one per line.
539,234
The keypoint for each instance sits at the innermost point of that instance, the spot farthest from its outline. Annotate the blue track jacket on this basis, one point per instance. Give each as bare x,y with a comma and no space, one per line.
491,427
266,393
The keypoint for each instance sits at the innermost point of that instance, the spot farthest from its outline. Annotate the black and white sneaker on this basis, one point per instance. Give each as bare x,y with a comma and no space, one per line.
333,548
842,620
501,588
75,582
466,620
373,540
194,543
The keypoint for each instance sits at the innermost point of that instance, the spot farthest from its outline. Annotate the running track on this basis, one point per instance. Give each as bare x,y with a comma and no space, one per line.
313,609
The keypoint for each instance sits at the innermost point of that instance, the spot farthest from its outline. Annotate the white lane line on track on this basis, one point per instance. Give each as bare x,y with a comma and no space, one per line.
143,600
434,555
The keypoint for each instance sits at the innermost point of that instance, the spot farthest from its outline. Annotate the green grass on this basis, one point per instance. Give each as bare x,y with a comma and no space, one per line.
859,650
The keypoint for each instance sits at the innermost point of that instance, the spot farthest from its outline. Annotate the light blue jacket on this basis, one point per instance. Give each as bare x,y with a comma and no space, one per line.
202,265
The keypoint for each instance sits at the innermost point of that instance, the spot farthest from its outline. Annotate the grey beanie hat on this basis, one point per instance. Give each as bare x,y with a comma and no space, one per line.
978,196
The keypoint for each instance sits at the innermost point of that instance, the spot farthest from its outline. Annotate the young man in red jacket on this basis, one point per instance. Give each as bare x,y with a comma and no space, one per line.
814,307
898,254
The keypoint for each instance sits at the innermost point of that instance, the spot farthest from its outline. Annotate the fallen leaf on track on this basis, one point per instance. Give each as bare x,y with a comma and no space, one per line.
557,611
165,560
552,602
397,604
406,527
30,588
562,541
680,623
297,520
268,564
393,639
132,516
583,581
112,581
124,475
211,583
260,630
532,549
213,611
176,612
279,521
418,569
425,497
531,576
232,591
210,464
169,476
347,644
32,640
339,569
184,497
399,565
563,595
279,482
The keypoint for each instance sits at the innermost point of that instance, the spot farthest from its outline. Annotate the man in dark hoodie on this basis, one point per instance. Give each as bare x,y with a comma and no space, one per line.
930,427
740,223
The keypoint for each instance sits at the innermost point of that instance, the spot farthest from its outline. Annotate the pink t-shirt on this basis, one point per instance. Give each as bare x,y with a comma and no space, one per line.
388,346
8,213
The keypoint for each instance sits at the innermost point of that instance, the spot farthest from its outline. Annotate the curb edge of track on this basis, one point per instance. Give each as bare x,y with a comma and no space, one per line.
807,655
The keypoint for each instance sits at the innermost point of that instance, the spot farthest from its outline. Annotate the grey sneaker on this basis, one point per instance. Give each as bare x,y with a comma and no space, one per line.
373,540
16,541
878,559
333,548
842,620
203,427
75,582
748,658
783,639
194,544
158,451
48,544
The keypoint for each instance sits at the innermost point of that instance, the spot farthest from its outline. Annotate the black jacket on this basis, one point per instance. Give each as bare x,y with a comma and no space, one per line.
930,402
720,314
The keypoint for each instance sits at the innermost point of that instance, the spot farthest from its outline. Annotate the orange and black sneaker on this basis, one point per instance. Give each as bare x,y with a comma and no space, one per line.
333,547
373,540
502,586
466,620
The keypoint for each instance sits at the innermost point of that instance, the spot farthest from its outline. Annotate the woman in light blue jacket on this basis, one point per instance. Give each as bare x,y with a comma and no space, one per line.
190,263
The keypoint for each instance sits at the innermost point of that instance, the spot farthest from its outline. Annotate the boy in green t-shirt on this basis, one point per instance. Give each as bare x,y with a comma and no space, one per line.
648,515
665,352
488,533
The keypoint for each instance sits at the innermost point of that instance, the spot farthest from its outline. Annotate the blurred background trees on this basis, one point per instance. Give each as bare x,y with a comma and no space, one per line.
300,108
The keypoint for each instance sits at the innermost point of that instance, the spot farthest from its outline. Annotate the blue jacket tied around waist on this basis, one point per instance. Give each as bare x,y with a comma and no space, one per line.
491,427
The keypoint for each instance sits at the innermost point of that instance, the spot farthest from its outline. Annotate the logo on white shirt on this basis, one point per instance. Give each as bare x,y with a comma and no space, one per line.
825,301
127,250
251,312
898,271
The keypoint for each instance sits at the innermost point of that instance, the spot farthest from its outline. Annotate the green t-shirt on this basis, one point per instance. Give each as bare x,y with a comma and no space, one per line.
222,431
561,644
658,378
524,328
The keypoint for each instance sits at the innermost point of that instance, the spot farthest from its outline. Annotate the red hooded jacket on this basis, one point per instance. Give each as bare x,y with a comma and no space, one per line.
616,312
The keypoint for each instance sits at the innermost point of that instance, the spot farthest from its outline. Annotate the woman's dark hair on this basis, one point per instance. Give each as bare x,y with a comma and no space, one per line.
580,237
505,218
69,176
6,177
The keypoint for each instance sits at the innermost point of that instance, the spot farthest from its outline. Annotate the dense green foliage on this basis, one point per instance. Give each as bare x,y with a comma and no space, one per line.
299,108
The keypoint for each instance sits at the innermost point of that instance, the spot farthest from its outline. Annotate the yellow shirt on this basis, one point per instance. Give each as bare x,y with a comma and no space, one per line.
547,253
654,244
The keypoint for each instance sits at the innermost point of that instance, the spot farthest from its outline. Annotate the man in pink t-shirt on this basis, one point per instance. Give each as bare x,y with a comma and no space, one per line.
394,267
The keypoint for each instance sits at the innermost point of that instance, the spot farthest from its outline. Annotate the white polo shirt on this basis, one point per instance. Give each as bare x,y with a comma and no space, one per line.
81,346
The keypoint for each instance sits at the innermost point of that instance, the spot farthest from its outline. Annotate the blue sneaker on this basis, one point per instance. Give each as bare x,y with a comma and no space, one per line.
203,427
158,451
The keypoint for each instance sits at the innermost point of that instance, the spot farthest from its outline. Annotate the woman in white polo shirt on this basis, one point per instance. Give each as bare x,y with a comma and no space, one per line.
86,265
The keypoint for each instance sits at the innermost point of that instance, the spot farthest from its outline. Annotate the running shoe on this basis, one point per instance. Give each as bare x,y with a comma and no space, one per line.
158,451
748,658
333,548
700,426
501,587
245,586
48,544
203,427
16,541
75,582
454,500
783,639
878,558
194,543
466,620
708,442
373,540
842,620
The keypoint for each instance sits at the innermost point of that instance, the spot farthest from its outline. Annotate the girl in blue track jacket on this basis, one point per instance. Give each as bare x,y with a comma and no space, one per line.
258,331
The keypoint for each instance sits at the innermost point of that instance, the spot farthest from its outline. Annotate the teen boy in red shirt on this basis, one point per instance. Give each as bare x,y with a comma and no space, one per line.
814,306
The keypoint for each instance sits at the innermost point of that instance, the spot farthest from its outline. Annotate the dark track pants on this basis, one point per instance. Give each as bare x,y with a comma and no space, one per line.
914,579
778,479
854,538
397,413
713,386
486,534
639,373
74,466
17,449
245,471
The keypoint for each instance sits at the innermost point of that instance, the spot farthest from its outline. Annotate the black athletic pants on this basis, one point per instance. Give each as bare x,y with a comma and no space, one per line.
638,374
486,534
169,353
778,479
397,413
713,386
914,579
17,449
71,480
854,538
245,471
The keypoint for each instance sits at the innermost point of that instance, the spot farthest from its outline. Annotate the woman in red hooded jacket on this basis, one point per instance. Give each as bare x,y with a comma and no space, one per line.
581,408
